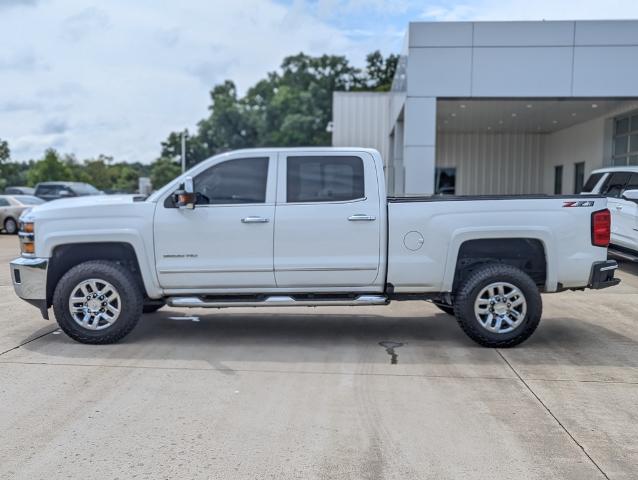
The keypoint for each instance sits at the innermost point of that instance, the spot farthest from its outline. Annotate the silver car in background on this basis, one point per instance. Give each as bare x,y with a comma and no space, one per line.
11,207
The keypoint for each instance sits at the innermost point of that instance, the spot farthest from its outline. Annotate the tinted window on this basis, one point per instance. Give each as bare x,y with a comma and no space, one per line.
48,189
615,184
592,181
234,181
558,180
324,179
632,184
4,202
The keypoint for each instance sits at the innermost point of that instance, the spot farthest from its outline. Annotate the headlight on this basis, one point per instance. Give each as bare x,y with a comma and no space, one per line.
27,238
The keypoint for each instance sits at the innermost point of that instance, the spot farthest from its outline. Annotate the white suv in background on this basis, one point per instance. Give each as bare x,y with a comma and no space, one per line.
620,186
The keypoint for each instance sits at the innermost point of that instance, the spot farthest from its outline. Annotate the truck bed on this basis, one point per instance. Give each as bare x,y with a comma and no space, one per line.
426,235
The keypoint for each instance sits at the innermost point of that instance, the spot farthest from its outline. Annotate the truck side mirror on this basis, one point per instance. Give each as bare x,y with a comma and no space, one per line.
631,195
185,197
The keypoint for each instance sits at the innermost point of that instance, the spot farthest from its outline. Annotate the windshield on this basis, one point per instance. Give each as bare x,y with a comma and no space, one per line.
28,200
85,189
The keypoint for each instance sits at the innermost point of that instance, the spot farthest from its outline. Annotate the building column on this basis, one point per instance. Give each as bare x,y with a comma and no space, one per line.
419,146
397,162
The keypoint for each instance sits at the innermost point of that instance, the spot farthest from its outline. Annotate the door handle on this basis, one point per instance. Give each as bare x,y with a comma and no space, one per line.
362,217
254,220
618,207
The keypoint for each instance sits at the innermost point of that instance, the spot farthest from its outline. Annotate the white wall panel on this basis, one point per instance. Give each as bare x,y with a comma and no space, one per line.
523,34
361,119
440,34
522,72
607,32
508,163
439,72
606,71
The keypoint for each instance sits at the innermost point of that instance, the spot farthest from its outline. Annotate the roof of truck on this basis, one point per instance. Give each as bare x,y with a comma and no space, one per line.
629,168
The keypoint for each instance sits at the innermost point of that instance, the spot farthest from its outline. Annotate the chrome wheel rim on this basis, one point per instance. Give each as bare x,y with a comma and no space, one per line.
500,307
95,304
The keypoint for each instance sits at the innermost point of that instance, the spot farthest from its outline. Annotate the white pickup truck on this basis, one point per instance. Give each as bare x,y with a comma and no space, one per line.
307,227
620,186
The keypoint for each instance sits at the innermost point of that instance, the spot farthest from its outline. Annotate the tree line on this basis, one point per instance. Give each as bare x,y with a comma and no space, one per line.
290,107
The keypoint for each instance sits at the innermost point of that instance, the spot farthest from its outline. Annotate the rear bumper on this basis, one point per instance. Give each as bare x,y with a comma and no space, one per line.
29,276
602,275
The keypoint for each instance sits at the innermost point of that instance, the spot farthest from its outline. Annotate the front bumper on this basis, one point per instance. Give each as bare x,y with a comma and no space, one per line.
602,275
29,277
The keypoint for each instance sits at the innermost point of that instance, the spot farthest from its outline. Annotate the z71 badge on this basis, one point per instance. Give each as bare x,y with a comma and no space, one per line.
582,203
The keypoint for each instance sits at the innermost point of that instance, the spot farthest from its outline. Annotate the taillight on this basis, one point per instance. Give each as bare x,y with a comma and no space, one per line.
601,228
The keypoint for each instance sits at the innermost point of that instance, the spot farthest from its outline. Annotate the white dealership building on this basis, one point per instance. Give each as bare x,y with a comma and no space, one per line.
501,107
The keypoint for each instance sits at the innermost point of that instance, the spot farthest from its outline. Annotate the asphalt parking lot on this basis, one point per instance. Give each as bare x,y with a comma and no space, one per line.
311,393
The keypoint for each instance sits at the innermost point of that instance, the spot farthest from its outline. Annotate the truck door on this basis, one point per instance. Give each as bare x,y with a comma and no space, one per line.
328,223
227,240
628,216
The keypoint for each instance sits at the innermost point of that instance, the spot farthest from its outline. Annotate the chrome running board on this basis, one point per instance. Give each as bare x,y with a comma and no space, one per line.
276,301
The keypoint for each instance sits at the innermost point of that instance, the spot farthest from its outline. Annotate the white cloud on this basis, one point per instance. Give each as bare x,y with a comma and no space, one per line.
120,75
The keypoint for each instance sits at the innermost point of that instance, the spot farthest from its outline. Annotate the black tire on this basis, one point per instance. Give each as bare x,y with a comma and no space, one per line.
151,306
471,288
119,277
11,226
444,307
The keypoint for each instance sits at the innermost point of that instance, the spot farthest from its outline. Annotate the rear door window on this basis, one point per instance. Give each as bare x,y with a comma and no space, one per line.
324,179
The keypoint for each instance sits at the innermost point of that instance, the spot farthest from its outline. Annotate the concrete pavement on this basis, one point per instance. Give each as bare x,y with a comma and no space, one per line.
310,393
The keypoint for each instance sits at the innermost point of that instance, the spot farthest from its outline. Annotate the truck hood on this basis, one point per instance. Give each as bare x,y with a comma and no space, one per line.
70,207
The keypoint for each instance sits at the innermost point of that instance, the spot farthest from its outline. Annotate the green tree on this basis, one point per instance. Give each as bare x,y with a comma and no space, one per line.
290,107
50,167
5,153
163,170
379,71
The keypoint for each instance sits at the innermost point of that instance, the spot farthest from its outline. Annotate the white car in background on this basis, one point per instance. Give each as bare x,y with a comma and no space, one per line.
620,186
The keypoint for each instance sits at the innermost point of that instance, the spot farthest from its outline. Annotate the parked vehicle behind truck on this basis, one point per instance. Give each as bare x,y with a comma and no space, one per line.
54,190
307,226
11,207
620,186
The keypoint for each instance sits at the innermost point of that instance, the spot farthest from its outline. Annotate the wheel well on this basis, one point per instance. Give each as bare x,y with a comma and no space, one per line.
65,257
528,254
9,217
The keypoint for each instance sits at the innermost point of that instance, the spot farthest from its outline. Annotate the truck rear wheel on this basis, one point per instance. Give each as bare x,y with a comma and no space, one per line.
498,306
97,302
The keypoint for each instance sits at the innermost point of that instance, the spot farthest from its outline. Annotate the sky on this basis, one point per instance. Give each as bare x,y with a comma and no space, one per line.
93,77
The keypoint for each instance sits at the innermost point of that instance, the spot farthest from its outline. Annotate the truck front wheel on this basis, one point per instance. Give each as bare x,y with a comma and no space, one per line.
97,302
498,306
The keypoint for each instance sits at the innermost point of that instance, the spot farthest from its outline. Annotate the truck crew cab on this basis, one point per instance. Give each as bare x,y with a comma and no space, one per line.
307,226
